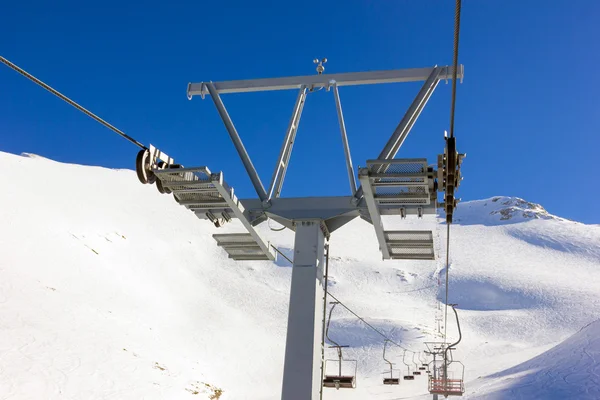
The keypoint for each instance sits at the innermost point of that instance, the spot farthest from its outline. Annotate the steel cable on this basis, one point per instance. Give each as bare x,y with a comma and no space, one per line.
455,64
71,102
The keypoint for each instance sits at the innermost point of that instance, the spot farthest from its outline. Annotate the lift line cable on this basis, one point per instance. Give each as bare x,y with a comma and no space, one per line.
283,255
447,277
455,64
368,324
71,102
452,112
350,310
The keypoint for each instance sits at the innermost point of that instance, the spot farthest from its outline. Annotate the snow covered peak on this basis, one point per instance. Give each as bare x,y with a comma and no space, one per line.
499,210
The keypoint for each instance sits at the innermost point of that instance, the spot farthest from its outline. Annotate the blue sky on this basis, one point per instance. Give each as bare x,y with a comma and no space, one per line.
527,113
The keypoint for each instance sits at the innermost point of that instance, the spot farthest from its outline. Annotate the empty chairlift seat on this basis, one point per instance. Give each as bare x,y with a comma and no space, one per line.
339,382
391,380
340,373
446,387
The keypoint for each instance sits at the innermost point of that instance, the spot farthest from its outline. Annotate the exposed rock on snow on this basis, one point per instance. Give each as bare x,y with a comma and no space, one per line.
500,210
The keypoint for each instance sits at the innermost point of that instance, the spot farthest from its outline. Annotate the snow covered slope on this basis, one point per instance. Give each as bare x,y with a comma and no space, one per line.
567,371
110,290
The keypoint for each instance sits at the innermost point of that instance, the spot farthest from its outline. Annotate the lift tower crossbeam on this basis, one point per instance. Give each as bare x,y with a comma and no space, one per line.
324,80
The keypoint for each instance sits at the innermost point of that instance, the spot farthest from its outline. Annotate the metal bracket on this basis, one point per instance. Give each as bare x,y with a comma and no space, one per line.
238,210
156,154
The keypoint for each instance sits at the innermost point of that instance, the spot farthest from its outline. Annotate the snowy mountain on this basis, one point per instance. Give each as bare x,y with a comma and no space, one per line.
111,290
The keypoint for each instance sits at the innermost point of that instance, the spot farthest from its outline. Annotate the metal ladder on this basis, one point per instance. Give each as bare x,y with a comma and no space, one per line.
400,187
209,197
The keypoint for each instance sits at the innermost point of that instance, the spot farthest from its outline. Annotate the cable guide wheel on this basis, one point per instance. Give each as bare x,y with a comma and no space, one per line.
143,167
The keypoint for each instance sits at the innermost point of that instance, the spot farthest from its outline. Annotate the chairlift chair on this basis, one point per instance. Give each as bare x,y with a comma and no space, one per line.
339,380
423,365
448,385
408,376
423,360
416,371
391,380
445,384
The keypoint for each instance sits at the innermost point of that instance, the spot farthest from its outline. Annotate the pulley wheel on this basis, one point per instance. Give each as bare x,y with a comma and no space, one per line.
142,167
159,186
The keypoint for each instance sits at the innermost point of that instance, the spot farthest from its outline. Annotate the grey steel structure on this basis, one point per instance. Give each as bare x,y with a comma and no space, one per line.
387,186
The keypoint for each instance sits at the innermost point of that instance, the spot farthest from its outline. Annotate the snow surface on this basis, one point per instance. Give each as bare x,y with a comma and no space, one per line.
110,290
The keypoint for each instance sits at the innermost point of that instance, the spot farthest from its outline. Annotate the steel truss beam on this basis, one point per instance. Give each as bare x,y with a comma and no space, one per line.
369,197
349,167
324,80
238,209
286,149
394,143
237,142
412,114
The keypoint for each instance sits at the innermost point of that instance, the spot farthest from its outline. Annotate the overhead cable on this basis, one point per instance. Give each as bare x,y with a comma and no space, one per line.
71,102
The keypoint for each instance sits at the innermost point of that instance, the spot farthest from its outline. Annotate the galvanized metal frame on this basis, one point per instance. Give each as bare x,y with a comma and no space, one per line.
323,80
237,142
369,198
412,114
238,210
314,218
286,149
156,154
349,167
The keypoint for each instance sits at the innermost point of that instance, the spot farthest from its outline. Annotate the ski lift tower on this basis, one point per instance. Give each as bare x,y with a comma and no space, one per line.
387,186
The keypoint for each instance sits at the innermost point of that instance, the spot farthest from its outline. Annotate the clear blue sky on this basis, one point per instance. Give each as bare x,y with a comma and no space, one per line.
528,112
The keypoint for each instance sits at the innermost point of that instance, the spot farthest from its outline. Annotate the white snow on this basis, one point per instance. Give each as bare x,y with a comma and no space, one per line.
111,290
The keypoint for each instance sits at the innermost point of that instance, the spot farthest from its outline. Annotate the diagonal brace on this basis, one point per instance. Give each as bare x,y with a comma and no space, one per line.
238,210
349,167
237,142
369,196
412,114
286,149
410,117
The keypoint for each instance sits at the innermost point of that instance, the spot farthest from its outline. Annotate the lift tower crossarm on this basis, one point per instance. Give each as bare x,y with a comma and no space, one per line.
402,130
237,142
394,143
324,80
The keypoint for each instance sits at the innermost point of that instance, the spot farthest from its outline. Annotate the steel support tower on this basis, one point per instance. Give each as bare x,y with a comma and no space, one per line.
387,186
